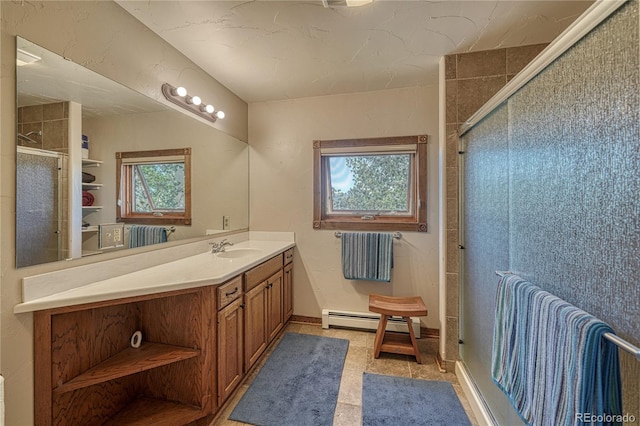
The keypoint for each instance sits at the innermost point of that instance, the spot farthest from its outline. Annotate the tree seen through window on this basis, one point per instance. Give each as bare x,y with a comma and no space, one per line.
370,183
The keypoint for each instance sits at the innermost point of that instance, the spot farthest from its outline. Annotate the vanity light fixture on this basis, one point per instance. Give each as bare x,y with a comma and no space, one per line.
179,96
179,91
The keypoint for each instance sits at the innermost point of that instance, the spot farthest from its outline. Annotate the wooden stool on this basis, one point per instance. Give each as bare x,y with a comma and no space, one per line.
405,307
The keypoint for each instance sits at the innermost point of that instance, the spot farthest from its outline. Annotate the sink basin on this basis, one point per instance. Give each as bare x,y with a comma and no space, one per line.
238,253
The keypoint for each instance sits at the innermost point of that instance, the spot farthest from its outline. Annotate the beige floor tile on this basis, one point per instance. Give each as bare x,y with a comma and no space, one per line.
347,415
351,387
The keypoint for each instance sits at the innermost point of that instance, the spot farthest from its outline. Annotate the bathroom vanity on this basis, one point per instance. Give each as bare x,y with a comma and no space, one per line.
205,321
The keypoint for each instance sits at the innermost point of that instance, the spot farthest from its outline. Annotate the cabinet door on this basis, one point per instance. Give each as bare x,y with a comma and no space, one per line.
287,292
274,305
255,323
230,349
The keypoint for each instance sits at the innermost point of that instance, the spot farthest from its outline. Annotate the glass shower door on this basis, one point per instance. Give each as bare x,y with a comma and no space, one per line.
38,207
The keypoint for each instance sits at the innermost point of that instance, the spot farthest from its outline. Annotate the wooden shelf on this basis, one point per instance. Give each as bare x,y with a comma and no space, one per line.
90,209
86,162
130,361
397,343
91,186
145,411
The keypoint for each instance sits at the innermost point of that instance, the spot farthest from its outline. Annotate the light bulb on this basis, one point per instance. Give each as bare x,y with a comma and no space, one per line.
220,115
196,100
209,109
181,91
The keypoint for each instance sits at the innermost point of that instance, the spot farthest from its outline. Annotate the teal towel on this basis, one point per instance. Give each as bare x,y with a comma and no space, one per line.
143,235
367,256
551,359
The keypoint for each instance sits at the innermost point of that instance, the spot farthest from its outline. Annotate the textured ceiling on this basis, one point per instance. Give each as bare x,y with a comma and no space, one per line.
269,50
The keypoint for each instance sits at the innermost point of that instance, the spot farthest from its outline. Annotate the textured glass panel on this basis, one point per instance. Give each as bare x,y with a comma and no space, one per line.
37,233
486,242
573,179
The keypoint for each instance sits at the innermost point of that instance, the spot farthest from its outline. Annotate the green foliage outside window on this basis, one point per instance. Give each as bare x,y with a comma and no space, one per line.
159,187
378,183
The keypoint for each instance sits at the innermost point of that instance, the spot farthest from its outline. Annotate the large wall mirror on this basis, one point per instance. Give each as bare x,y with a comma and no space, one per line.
71,123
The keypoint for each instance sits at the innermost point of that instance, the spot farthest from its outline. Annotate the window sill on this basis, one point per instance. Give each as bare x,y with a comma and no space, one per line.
155,221
370,225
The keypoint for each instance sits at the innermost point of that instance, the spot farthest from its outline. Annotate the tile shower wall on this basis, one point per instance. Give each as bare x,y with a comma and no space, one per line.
560,163
51,120
471,79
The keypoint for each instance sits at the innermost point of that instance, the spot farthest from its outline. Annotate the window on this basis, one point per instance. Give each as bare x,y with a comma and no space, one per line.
154,187
372,184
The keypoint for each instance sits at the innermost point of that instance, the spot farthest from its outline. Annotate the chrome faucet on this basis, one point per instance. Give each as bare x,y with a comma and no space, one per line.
220,247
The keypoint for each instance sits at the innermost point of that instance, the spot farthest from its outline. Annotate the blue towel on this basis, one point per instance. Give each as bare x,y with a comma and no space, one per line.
550,358
142,235
367,256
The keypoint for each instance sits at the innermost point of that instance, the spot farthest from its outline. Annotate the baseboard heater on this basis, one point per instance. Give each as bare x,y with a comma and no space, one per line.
367,321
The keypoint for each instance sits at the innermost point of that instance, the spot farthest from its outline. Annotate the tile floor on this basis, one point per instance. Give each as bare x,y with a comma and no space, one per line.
359,360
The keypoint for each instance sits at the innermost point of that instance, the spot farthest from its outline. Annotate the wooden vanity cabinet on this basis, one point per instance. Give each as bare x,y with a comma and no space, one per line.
197,346
255,323
274,305
87,372
230,346
263,307
287,285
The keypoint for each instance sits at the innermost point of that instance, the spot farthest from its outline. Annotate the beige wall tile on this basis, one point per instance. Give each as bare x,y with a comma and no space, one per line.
452,256
32,113
452,147
452,101
519,57
450,69
53,111
54,135
479,64
452,182
453,291
452,339
452,213
475,92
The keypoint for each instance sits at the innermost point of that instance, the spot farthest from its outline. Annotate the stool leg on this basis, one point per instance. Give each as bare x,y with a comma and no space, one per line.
382,326
416,351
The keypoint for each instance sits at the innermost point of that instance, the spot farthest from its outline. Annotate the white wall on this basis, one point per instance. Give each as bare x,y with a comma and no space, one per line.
281,134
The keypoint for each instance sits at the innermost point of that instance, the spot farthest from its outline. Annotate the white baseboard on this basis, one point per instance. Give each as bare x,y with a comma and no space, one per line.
478,406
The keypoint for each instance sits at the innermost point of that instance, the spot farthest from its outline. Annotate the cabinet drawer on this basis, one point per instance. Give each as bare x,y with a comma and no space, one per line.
262,272
288,256
229,291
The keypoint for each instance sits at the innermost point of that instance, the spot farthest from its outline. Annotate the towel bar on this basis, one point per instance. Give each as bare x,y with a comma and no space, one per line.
618,341
623,344
169,229
396,235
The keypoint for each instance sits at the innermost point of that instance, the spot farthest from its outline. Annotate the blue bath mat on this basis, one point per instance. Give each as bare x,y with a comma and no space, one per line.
298,385
390,400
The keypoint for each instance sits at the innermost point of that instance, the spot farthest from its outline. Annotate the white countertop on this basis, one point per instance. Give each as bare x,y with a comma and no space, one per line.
191,272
